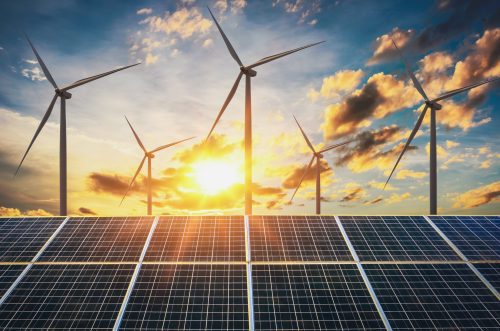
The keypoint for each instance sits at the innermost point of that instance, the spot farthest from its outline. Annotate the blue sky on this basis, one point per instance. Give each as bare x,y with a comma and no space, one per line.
186,73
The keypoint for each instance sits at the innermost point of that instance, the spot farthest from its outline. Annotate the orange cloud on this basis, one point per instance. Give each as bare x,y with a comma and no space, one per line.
5,211
477,197
384,49
405,173
341,82
436,62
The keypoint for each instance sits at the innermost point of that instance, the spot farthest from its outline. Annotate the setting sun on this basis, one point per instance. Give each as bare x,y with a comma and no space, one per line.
214,176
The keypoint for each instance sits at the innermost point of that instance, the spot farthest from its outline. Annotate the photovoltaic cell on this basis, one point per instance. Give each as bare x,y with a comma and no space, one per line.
477,237
99,239
193,297
22,238
395,238
434,296
8,274
86,297
196,238
490,271
312,297
297,238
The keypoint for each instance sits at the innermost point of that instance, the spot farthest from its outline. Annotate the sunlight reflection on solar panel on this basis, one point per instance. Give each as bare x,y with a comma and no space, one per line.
99,239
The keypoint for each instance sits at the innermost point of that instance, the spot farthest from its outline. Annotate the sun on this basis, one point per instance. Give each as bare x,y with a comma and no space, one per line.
214,176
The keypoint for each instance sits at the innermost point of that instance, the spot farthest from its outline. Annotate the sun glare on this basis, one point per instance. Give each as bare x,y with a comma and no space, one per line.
215,176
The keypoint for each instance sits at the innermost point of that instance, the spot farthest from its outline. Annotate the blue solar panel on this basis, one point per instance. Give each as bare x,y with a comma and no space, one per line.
395,238
86,297
477,237
312,297
8,274
434,296
490,271
22,238
188,297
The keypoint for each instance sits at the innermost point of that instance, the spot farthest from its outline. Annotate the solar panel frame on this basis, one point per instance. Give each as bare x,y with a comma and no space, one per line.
67,297
490,271
477,237
297,238
396,238
166,297
312,296
22,238
99,239
433,296
197,239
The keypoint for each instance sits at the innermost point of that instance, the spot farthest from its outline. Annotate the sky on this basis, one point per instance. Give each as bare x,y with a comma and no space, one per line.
352,87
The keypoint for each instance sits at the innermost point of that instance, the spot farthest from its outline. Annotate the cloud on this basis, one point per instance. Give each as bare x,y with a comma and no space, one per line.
34,74
381,96
459,17
185,23
486,164
145,11
436,62
381,186
451,144
151,59
86,211
383,47
374,201
304,9
295,174
341,82
5,211
405,173
367,154
353,192
479,196
440,151
395,198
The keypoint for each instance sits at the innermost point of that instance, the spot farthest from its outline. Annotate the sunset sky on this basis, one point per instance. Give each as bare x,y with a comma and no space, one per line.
352,87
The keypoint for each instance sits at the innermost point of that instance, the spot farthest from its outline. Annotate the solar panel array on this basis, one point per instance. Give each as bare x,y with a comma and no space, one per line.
256,272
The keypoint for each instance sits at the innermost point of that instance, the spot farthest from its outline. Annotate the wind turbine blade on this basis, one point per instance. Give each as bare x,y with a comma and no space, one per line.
92,78
303,176
410,138
304,135
133,179
136,136
414,79
42,64
226,103
335,146
280,55
463,89
169,145
228,43
37,132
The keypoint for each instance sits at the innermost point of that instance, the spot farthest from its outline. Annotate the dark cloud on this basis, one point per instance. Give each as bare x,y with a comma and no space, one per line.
86,211
292,180
374,201
353,194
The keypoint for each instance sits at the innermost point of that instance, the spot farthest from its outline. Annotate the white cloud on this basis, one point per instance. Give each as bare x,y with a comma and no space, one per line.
144,11
34,74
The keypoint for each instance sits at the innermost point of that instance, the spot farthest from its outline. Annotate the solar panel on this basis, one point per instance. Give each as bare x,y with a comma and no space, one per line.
434,296
477,237
104,239
196,238
311,297
22,238
67,297
395,238
297,238
490,271
8,274
179,297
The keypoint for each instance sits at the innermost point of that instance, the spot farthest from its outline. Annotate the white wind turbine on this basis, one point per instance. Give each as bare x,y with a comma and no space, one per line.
63,94
433,105
149,155
249,73
318,156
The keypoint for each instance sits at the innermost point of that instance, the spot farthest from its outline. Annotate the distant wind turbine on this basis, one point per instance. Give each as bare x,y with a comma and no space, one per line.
318,156
149,155
249,73
433,105
64,95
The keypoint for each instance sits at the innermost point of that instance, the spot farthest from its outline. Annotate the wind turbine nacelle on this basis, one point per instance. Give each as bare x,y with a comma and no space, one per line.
319,156
150,155
434,105
249,72
64,94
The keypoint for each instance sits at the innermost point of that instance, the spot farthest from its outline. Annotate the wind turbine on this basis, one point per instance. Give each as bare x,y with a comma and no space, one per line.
149,155
249,73
433,105
318,156
64,95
